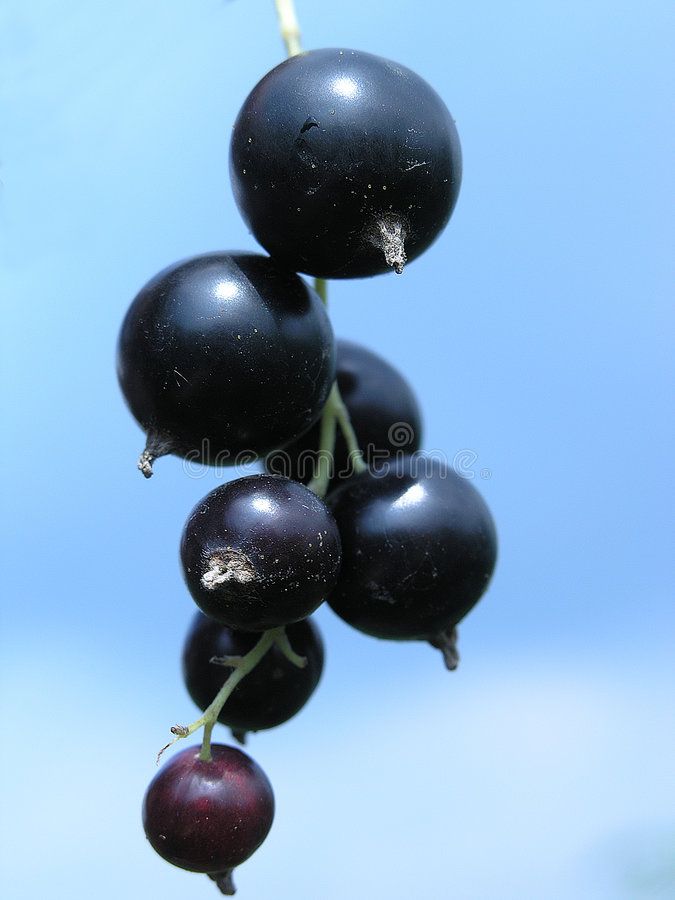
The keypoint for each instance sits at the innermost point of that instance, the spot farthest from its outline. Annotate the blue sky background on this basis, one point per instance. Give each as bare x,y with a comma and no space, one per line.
536,332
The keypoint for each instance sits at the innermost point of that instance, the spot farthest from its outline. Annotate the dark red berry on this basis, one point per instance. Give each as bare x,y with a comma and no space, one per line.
208,816
260,552
269,695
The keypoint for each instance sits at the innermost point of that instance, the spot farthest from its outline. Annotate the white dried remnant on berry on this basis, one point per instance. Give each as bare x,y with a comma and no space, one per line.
228,565
390,236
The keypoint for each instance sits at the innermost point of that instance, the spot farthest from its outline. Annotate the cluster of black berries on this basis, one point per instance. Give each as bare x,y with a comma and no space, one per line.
343,165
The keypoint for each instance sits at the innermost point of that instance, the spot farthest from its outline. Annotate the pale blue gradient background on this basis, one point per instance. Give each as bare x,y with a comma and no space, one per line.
536,332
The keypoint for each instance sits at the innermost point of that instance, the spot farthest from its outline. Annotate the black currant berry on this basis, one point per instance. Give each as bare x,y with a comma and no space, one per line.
269,695
221,355
260,552
208,816
383,411
344,164
418,550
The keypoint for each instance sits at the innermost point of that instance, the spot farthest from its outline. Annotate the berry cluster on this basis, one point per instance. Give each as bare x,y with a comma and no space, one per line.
344,165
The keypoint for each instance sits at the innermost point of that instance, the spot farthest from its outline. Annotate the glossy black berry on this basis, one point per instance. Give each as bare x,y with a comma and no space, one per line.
418,550
208,816
344,164
260,552
383,411
223,354
269,695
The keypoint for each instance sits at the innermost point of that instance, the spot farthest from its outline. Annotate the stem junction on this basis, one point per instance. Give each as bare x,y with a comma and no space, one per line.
241,666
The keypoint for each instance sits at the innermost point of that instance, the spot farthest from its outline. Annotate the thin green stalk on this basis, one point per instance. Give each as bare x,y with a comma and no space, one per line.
334,413
241,666
245,665
289,27
324,463
356,459
285,646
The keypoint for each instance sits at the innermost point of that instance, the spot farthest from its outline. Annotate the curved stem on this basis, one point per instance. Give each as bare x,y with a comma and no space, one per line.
205,752
324,463
210,715
241,666
342,415
246,665
289,27
334,413
285,646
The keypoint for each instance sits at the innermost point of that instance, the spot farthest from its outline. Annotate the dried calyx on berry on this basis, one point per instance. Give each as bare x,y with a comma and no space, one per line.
224,357
344,164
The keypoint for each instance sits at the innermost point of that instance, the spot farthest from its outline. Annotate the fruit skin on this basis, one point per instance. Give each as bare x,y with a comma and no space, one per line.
208,816
225,353
269,695
260,552
418,550
331,147
383,411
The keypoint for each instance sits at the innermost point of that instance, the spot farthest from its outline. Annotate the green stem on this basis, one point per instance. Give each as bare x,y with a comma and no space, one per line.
285,646
356,460
289,27
324,463
245,665
205,752
334,413
241,666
